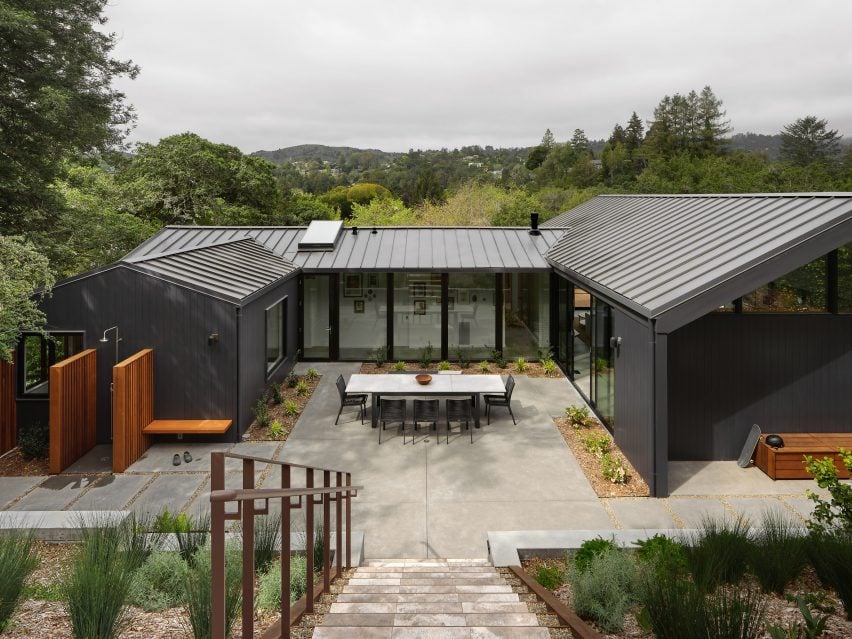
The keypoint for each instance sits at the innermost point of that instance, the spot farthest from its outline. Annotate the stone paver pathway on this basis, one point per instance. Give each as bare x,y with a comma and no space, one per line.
436,599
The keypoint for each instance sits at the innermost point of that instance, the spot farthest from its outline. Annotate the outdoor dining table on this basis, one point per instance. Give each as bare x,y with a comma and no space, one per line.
441,385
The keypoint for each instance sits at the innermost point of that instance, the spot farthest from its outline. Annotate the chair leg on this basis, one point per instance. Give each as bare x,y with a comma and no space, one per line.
338,415
363,411
471,432
509,406
380,433
488,415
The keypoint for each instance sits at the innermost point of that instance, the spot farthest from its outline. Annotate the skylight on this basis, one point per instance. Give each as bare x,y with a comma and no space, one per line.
321,235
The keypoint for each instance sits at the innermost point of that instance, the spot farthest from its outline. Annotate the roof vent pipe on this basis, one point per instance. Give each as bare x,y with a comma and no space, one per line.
534,224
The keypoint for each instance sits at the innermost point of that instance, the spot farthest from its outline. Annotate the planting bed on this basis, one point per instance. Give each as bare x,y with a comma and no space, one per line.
532,369
277,411
635,486
14,464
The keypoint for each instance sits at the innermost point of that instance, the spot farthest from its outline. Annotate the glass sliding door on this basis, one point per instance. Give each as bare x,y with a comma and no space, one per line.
563,323
603,363
471,315
363,315
416,315
581,341
526,314
317,324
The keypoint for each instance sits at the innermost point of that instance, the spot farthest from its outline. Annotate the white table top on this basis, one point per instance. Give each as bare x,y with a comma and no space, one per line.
404,383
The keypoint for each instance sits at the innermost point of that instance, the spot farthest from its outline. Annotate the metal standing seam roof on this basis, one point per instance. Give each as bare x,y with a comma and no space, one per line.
659,251
231,268
388,249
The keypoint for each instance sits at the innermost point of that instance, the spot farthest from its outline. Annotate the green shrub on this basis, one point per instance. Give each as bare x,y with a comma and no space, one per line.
614,469
549,367
276,429
663,553
158,583
778,552
521,365
292,379
462,357
498,358
544,353
399,366
426,356
597,445
836,512
579,416
17,560
605,590
718,553
34,441
818,600
261,412
269,590
319,542
380,356
443,366
732,612
831,556
312,375
198,591
551,577
98,583
291,407
168,523
673,607
302,388
484,366
51,591
590,549
276,394
192,537
267,534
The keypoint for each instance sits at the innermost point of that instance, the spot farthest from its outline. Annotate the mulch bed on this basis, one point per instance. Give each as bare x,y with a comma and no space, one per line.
277,412
532,369
591,465
779,611
14,464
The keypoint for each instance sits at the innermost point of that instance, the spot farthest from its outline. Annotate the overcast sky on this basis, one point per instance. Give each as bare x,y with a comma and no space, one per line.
399,74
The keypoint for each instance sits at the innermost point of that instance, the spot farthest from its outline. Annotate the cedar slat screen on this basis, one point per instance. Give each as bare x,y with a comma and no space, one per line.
8,419
73,409
133,408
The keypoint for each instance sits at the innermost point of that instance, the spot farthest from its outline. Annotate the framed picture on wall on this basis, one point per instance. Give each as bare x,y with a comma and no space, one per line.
420,307
352,285
358,306
418,289
372,280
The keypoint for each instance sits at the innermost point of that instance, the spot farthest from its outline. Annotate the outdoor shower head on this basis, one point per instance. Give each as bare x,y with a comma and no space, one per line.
104,339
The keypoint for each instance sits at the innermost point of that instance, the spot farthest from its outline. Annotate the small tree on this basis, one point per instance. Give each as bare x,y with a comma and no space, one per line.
836,513
808,140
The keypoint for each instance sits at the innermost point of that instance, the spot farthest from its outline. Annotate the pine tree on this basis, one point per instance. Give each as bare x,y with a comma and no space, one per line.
808,140
634,133
579,142
547,140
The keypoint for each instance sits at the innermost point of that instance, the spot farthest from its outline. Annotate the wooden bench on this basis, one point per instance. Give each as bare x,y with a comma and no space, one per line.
187,427
789,463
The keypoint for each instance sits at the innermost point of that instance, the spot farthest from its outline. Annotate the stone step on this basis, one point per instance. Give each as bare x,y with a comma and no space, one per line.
360,620
485,580
422,574
480,632
411,589
432,607
348,597
420,568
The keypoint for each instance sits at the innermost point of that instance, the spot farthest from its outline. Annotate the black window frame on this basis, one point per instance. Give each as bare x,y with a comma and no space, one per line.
47,355
271,368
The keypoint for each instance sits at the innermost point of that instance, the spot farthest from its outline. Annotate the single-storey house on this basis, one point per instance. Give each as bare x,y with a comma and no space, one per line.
683,319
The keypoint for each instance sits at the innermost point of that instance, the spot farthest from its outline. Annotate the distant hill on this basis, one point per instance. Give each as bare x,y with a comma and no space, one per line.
333,154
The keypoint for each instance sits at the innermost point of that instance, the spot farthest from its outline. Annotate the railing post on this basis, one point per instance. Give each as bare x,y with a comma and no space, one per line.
348,522
248,551
309,542
326,533
217,547
285,554
338,521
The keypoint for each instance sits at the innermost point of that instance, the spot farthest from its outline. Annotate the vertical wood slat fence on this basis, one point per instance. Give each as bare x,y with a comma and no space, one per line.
73,409
133,408
8,414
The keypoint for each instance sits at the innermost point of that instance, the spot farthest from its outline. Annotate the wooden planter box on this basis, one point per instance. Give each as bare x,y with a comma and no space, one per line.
789,463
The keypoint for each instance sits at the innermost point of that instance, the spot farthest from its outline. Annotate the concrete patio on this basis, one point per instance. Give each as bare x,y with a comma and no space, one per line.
427,499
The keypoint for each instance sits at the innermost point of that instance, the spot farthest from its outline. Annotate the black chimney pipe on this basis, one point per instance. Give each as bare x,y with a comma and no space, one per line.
534,224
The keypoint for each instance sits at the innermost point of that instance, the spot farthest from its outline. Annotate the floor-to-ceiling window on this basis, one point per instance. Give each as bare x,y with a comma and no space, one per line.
526,314
603,363
363,314
581,338
416,315
317,326
471,315
564,335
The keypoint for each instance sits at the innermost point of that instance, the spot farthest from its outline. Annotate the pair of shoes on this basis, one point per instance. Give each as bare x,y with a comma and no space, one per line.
186,457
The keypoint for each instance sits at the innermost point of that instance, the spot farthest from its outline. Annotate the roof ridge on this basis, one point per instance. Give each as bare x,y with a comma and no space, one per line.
189,249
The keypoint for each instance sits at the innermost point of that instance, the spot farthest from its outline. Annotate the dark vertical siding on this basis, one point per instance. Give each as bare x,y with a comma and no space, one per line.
252,373
786,373
634,426
191,379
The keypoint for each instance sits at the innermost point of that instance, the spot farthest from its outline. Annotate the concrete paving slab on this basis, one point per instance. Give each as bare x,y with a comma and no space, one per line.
55,493
803,506
392,530
168,491
265,450
11,488
695,478
111,492
159,457
692,511
641,513
753,509
97,460
55,525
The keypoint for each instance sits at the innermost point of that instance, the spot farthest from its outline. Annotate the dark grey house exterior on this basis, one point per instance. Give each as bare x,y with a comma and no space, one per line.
682,319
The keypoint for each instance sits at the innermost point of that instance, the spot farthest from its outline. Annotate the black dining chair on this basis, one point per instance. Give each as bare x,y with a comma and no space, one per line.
501,400
348,399
392,410
425,412
459,410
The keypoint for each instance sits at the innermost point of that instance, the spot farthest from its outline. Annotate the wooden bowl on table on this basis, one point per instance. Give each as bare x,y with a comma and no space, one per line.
423,379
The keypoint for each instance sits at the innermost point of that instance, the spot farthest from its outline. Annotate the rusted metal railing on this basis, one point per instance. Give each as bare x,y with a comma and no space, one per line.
246,498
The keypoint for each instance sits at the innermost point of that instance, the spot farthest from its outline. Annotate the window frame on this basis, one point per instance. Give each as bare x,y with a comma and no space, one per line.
282,356
48,350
